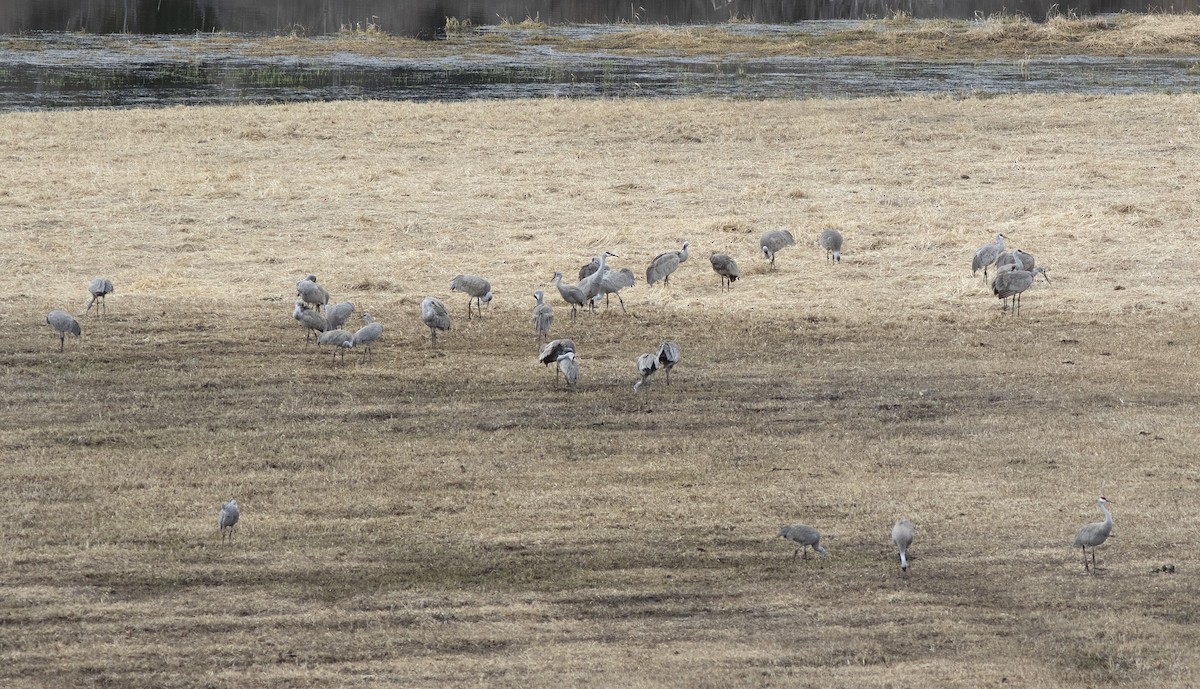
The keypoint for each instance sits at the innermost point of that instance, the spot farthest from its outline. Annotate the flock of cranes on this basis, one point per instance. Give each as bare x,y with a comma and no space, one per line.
903,532
1014,274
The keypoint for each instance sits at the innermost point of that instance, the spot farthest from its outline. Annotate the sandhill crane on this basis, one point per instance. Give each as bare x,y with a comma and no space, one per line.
1092,535
1026,260
727,268
589,268
664,264
612,283
435,316
771,242
553,350
543,316
311,293
478,290
337,315
902,536
668,356
591,285
312,322
1012,283
64,324
1007,258
803,536
228,519
647,364
339,339
569,369
367,335
831,241
100,288
987,254
570,294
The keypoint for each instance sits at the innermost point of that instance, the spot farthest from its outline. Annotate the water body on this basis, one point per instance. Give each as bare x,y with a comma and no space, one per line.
50,71
426,17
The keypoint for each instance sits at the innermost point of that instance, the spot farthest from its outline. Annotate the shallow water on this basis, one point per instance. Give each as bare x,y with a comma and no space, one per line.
47,71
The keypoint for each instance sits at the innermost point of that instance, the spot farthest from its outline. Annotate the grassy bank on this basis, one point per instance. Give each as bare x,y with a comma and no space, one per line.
450,517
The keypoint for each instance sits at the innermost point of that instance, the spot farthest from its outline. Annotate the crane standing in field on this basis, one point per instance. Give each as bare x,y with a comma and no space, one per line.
612,283
1013,283
592,286
64,324
902,536
339,339
803,536
570,294
478,290
337,315
831,241
647,365
99,288
724,266
311,293
228,519
987,254
664,264
312,322
771,242
569,369
543,316
435,316
668,356
367,335
1094,534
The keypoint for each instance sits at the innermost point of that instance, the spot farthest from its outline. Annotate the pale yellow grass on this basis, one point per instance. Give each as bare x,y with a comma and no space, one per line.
449,518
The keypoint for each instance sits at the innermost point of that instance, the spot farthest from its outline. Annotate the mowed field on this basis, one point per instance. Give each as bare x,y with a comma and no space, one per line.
450,517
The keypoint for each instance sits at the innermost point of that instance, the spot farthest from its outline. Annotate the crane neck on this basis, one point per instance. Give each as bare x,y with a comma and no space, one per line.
1107,514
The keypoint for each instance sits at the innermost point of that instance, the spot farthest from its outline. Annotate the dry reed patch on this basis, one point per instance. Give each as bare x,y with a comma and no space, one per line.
440,516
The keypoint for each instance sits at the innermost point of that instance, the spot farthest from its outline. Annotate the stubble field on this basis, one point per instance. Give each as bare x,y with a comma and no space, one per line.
450,517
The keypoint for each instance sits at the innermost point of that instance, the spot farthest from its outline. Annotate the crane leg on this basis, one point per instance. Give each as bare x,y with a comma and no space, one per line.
622,305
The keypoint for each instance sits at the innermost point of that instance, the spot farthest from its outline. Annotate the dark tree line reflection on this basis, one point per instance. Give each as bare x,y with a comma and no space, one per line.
425,17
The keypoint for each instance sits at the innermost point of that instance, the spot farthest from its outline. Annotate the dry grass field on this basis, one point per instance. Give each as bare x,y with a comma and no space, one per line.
452,518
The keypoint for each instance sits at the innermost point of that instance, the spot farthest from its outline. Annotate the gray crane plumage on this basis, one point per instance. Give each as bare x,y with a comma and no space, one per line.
367,336
590,268
543,316
771,242
987,254
569,369
1007,258
99,288
1092,535
803,536
592,286
831,241
478,290
668,356
64,324
612,283
227,519
553,350
312,322
570,294
902,535
1012,283
665,264
1026,260
337,314
435,316
311,293
647,365
339,339
724,266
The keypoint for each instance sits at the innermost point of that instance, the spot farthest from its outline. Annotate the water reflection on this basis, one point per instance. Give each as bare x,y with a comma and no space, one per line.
426,17
78,70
